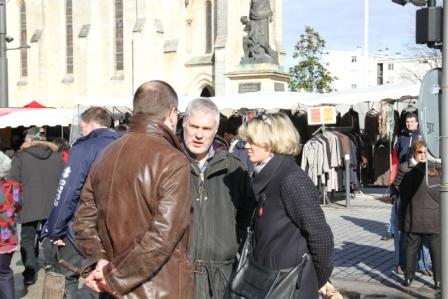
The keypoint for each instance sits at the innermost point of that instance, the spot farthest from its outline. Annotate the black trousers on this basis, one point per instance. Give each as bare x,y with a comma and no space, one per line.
6,276
29,245
413,246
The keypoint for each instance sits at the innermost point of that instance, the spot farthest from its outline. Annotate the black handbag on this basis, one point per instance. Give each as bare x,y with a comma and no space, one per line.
251,280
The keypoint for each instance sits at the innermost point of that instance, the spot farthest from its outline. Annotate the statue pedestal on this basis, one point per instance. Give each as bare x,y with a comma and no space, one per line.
257,77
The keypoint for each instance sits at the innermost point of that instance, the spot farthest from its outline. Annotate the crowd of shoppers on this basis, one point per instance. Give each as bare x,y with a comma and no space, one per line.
148,213
151,212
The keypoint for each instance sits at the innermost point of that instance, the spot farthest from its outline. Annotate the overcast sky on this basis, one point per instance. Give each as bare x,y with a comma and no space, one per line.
341,24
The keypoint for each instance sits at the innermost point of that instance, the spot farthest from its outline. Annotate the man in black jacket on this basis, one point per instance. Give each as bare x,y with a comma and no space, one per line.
405,139
37,166
221,199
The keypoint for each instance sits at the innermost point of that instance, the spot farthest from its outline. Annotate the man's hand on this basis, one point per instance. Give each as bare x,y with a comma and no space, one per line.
92,283
329,291
96,280
323,290
59,242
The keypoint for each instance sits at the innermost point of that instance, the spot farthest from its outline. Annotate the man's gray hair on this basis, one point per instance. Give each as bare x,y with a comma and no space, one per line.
202,105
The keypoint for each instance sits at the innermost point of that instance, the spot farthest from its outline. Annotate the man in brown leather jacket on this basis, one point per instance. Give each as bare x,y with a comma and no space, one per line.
135,212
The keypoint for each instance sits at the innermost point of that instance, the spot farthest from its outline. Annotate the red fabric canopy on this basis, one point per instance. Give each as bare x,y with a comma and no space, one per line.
34,104
30,106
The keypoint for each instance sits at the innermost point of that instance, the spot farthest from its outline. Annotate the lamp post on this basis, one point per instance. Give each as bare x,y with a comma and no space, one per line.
4,102
3,58
444,155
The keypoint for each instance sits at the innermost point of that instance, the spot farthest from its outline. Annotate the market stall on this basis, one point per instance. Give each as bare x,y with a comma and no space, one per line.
26,117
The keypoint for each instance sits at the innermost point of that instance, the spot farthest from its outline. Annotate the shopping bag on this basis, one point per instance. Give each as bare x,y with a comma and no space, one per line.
54,286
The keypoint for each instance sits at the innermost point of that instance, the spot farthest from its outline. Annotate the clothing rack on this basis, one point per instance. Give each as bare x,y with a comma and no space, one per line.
322,188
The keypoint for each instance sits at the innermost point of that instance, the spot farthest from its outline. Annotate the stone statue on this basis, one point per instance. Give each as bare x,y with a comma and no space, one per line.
256,42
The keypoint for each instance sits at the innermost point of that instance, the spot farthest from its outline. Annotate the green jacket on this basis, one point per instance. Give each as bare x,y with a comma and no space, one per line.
222,209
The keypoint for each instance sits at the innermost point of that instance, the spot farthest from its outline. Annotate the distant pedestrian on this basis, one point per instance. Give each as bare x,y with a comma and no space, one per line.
420,214
63,148
236,144
405,140
37,167
10,204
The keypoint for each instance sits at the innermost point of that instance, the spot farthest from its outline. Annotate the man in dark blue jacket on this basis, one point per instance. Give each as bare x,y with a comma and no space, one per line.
408,137
95,136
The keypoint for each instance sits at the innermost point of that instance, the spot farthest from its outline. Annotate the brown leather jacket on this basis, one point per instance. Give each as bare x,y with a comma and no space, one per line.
136,212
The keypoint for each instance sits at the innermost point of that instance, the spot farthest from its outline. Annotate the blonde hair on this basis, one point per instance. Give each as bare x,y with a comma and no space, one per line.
274,132
416,146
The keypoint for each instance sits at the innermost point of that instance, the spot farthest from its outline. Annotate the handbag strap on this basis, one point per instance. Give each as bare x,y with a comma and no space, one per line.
58,258
252,220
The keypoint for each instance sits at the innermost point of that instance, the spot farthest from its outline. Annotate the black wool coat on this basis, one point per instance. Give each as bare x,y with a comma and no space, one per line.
419,209
291,222
37,166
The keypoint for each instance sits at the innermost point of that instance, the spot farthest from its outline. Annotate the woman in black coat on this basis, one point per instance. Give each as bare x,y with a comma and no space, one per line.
288,219
419,213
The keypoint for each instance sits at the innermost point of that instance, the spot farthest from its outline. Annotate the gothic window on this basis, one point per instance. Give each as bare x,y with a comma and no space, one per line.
208,27
119,64
69,35
23,38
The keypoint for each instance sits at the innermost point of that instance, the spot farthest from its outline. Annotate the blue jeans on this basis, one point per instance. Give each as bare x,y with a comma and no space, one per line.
392,225
400,244
6,276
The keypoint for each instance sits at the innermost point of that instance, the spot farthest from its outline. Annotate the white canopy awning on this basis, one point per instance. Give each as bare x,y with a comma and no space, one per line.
37,117
368,94
278,100
265,100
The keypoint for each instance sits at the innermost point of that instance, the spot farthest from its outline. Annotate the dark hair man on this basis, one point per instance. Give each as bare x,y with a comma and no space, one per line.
95,136
135,210
407,137
236,144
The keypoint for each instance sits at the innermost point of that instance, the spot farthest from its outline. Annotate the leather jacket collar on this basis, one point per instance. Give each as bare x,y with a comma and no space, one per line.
141,123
